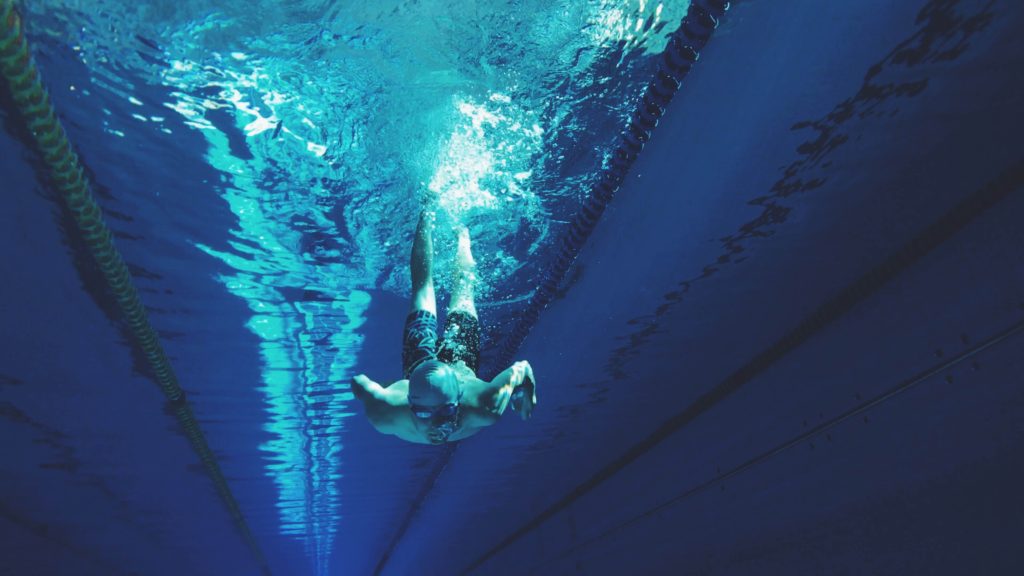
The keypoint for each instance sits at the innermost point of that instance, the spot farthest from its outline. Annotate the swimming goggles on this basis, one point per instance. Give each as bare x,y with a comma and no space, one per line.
434,413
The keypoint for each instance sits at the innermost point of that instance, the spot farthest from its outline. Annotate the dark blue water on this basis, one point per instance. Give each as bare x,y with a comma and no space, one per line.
262,167
792,344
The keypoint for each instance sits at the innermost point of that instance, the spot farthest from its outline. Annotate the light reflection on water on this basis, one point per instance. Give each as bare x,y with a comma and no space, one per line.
332,123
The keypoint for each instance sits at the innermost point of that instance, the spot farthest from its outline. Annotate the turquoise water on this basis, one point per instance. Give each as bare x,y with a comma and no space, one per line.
328,126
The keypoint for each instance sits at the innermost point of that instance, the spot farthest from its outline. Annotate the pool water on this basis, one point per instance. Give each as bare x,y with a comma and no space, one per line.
262,165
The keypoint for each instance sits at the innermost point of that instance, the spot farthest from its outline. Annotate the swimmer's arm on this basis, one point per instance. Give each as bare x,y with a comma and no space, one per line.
383,405
495,396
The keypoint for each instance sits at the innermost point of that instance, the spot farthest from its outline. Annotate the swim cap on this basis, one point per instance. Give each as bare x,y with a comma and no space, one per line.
434,380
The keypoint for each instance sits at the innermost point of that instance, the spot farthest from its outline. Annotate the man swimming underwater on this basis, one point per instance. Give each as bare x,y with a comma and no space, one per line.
441,399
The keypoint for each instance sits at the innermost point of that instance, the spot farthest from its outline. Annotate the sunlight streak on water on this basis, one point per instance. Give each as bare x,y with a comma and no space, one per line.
332,124
308,347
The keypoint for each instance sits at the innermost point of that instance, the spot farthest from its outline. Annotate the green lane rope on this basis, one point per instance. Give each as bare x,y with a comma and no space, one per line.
33,103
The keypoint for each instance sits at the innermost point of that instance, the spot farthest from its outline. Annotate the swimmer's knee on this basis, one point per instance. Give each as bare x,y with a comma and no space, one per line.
423,299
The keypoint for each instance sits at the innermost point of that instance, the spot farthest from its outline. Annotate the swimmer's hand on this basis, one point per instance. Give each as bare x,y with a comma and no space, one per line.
524,393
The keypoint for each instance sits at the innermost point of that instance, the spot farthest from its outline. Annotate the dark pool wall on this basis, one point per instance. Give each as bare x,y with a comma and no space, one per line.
794,343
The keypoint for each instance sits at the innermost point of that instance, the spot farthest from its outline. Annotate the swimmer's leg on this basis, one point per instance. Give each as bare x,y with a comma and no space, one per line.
461,339
419,338
464,277
421,265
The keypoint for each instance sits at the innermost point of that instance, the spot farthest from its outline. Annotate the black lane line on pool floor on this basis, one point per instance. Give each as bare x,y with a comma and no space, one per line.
953,221
892,392
681,52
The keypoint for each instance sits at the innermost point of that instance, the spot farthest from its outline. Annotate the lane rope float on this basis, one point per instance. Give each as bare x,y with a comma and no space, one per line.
19,70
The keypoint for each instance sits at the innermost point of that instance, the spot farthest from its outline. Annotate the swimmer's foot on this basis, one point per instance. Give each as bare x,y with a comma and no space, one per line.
464,276
464,254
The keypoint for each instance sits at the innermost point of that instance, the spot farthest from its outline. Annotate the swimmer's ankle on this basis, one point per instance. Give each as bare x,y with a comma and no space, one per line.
464,252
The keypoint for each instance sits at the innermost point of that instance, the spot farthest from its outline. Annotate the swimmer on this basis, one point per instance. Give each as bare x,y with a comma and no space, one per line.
440,399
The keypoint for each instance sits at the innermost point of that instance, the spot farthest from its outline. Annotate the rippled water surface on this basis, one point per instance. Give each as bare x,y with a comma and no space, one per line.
321,129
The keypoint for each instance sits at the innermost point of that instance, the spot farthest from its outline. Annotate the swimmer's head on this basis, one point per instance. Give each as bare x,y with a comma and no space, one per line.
433,383
434,396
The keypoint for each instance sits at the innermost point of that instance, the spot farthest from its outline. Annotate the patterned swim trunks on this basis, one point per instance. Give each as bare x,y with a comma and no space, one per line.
461,340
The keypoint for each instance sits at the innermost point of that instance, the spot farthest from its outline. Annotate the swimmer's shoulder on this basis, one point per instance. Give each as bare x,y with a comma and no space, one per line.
477,409
388,408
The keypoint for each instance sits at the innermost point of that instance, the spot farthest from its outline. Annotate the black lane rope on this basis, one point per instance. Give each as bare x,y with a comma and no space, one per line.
18,68
893,391
1009,181
681,52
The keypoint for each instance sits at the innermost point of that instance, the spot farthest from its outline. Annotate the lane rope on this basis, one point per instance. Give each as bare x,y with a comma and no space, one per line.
18,68
681,53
